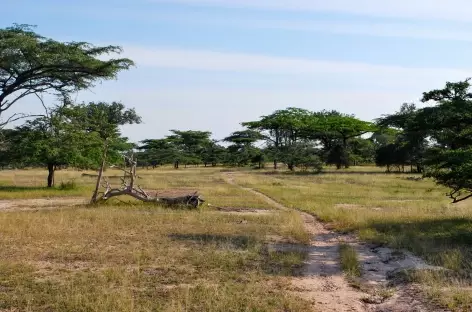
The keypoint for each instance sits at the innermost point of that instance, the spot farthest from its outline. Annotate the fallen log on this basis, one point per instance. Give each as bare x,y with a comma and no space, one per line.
128,188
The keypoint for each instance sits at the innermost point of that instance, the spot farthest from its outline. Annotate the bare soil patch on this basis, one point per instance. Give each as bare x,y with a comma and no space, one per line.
244,211
41,203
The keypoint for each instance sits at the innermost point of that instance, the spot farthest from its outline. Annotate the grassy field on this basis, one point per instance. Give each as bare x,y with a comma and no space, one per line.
132,257
391,210
143,258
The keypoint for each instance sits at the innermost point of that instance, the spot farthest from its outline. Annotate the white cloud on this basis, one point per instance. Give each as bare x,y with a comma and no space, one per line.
362,27
456,10
388,76
378,29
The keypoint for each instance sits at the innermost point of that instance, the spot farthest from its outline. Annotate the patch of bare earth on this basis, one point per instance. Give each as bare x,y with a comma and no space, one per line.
243,211
41,203
323,283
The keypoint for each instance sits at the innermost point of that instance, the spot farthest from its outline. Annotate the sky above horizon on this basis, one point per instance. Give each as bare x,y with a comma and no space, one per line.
212,64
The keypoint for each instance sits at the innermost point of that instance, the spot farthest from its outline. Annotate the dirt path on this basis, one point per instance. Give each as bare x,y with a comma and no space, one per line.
324,284
41,203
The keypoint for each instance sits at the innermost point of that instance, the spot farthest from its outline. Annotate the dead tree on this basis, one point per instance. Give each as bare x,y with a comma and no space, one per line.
129,188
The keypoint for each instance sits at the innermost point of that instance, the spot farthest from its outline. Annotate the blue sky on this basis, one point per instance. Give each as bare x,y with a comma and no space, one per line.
211,64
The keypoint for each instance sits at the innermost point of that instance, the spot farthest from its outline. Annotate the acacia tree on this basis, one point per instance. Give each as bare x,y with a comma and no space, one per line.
102,120
50,141
411,138
335,131
242,149
189,145
212,153
449,127
159,152
31,64
281,128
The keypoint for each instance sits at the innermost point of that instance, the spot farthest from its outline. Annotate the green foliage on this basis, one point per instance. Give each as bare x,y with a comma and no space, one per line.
439,136
186,147
73,135
32,64
407,145
301,155
452,168
330,129
67,186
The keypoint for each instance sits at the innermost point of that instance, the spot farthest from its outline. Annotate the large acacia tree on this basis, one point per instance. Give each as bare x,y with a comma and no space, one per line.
31,64
442,133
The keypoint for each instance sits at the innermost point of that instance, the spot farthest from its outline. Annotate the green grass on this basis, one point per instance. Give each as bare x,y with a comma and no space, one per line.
349,261
390,210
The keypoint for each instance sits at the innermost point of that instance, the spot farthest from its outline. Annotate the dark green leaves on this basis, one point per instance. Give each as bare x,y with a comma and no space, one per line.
32,64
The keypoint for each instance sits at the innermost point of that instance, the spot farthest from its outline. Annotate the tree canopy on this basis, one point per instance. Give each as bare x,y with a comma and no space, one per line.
31,64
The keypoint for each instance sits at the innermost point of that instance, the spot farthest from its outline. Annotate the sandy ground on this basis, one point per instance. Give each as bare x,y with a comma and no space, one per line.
41,203
324,284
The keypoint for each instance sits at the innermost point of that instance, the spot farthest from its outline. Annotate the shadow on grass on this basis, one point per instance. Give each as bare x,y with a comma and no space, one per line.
445,242
221,241
279,261
341,172
14,188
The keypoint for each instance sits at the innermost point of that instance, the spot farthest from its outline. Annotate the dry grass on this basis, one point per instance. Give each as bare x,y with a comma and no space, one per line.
391,210
132,257
145,258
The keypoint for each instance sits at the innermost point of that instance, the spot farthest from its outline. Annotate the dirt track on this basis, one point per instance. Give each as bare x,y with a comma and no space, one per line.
324,284
41,203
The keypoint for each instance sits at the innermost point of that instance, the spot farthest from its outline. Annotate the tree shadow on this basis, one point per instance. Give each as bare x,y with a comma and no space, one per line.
340,172
278,259
445,242
221,241
17,188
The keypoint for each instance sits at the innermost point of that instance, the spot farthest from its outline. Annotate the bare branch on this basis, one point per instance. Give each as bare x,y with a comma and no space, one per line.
16,117
40,97
127,188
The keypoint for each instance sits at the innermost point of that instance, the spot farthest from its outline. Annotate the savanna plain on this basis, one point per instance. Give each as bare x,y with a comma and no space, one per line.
60,254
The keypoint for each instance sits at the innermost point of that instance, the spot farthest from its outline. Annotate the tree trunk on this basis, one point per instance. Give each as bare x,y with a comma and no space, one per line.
345,154
290,167
51,169
100,174
275,164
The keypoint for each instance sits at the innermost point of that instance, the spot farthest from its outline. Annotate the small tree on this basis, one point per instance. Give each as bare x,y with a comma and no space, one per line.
50,141
301,155
103,120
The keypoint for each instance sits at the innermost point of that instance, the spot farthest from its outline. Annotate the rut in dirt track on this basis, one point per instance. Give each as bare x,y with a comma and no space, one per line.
324,284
